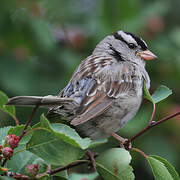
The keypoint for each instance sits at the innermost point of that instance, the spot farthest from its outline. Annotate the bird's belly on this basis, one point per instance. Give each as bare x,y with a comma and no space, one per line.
121,111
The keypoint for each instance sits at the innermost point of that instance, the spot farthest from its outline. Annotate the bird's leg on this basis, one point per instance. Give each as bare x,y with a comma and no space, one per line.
91,155
124,143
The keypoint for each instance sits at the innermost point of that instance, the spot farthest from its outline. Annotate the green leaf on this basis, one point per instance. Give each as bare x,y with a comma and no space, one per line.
90,176
146,93
20,160
56,145
98,142
162,169
8,109
70,136
114,164
3,134
161,93
127,174
6,178
66,133
63,175
46,178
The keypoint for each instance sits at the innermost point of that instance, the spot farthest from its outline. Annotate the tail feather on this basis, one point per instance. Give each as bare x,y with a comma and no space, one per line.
38,100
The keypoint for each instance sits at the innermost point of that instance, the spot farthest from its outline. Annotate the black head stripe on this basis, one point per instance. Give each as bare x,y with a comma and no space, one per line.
138,40
115,53
119,37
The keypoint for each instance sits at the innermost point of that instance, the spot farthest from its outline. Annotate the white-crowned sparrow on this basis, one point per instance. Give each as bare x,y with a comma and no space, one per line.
105,91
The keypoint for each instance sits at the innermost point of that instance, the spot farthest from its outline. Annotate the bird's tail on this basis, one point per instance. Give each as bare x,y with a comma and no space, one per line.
39,100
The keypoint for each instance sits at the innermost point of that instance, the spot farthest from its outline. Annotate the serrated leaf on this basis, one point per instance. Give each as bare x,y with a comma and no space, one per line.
45,144
66,133
20,160
146,93
57,144
169,167
3,134
98,142
90,176
114,164
161,93
70,136
8,109
127,174
159,169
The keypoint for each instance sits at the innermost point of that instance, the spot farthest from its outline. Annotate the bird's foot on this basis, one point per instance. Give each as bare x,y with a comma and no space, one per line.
124,143
91,155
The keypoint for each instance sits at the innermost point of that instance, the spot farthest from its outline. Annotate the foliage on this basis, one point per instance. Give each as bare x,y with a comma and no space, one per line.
41,43
29,151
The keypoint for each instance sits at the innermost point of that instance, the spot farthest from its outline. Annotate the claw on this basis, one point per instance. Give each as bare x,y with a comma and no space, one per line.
91,156
124,143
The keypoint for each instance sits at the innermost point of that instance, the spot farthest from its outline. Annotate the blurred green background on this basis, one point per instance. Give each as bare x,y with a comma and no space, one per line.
42,41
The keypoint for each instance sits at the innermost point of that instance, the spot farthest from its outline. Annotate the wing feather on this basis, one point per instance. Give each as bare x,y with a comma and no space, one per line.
97,107
108,85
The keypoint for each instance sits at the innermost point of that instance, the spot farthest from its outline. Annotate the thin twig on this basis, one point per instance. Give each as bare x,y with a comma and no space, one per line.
4,162
16,120
28,122
152,125
32,130
153,113
141,152
69,166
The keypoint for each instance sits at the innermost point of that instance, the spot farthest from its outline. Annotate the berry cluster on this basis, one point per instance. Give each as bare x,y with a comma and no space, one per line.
7,150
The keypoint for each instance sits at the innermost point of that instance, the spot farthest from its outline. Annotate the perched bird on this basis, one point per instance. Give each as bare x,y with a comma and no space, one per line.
106,89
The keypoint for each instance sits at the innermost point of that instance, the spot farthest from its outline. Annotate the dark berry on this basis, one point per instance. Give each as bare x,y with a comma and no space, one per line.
32,170
7,152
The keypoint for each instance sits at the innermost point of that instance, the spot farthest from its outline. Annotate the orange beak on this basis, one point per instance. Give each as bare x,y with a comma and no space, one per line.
147,55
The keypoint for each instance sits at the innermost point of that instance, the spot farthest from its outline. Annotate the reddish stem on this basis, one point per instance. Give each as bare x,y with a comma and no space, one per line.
153,113
4,162
69,166
152,125
16,120
28,122
141,152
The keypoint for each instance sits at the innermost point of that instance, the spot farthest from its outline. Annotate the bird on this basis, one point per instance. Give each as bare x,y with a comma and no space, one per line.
106,89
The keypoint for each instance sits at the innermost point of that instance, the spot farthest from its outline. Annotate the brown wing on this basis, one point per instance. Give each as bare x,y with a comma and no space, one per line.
102,94
95,106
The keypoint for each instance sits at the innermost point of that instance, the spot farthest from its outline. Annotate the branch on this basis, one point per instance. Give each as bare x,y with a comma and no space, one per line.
69,166
16,120
152,124
153,113
141,152
29,121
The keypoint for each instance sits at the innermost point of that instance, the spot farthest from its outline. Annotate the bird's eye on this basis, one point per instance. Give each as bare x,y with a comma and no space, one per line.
132,46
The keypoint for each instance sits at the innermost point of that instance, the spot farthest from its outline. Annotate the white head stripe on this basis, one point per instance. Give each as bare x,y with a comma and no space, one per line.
128,38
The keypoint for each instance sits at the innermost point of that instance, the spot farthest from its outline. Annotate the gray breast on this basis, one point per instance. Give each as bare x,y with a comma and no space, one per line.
121,111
